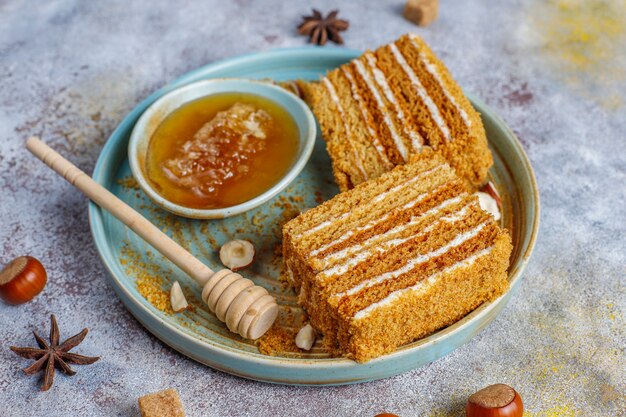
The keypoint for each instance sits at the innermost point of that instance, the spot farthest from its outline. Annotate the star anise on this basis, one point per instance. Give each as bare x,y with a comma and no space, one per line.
321,29
54,354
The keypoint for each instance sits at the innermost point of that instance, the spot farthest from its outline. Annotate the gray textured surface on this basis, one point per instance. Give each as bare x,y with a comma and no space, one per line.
70,70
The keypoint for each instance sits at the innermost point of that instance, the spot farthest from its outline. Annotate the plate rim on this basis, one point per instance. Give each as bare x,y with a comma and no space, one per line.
335,364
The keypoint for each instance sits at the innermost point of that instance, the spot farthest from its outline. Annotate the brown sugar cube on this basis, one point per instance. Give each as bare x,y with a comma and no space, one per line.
161,404
421,12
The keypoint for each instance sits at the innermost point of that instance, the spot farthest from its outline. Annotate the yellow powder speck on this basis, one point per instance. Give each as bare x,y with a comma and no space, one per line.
149,279
128,183
150,288
584,41
559,411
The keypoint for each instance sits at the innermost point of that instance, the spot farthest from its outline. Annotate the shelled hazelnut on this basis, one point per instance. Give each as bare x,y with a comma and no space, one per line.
177,298
237,254
490,188
489,204
306,337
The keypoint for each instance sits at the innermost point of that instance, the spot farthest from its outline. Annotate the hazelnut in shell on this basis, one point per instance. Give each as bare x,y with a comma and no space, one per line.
497,400
237,254
22,279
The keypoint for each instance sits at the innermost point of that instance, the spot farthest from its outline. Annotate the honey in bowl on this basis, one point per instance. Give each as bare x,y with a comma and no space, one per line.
221,150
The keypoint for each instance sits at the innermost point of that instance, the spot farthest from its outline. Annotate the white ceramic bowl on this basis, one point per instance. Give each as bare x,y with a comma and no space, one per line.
160,109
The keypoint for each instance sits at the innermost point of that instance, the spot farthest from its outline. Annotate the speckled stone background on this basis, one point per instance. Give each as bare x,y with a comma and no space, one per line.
555,70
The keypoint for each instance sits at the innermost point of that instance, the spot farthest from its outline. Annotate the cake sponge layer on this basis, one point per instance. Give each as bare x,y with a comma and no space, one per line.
377,111
395,258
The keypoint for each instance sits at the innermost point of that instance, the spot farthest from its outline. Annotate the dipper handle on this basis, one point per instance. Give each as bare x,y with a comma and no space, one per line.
229,295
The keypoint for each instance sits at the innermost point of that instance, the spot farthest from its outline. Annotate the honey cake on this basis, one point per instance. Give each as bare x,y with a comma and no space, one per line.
388,104
395,258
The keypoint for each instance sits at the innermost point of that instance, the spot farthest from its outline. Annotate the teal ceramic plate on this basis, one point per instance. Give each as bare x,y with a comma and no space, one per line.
142,277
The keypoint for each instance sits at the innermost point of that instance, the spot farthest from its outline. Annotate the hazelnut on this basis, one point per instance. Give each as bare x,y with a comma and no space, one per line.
177,298
22,279
306,337
489,204
237,254
490,189
497,400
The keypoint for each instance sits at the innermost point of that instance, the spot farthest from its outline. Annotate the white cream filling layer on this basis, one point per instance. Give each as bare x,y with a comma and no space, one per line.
376,199
422,286
416,140
432,69
393,190
421,91
362,252
335,99
324,224
381,106
453,217
420,259
366,116
372,223
354,249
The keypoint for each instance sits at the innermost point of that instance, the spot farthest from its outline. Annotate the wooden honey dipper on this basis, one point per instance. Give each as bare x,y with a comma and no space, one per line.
246,308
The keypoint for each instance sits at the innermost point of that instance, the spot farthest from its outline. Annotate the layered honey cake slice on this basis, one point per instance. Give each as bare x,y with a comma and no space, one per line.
378,110
395,259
